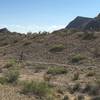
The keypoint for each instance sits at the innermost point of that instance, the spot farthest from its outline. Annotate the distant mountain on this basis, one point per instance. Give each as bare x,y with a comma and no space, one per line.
4,30
85,23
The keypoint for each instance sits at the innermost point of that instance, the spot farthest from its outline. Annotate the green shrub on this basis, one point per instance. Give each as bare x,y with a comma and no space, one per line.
57,48
12,75
57,70
11,63
38,88
77,58
3,80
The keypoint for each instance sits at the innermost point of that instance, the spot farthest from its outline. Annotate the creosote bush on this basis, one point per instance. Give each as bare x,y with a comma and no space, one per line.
57,70
57,48
11,63
77,58
12,75
37,88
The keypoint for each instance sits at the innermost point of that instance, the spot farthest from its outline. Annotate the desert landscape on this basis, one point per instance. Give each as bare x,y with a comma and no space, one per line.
61,65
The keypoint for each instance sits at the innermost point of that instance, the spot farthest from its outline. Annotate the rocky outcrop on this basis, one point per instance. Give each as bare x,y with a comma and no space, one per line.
84,23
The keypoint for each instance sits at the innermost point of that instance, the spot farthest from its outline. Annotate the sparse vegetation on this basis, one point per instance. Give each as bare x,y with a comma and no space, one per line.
77,58
47,77
3,80
72,88
38,88
65,63
75,76
12,75
57,70
57,48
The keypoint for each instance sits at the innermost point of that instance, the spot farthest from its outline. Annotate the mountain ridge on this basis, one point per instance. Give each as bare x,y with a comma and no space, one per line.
85,23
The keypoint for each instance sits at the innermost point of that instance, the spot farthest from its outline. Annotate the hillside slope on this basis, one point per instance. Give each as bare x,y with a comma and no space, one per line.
62,65
39,47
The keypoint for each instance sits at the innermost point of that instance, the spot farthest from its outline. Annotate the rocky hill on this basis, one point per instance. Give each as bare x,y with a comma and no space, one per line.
62,65
84,23
56,47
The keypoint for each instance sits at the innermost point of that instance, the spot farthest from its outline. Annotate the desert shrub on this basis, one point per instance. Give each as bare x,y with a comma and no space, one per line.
12,63
38,88
26,43
75,76
15,41
12,75
80,97
47,77
51,97
73,87
40,40
62,32
57,70
3,80
44,33
77,58
57,48
91,89
88,36
39,68
89,74
65,97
